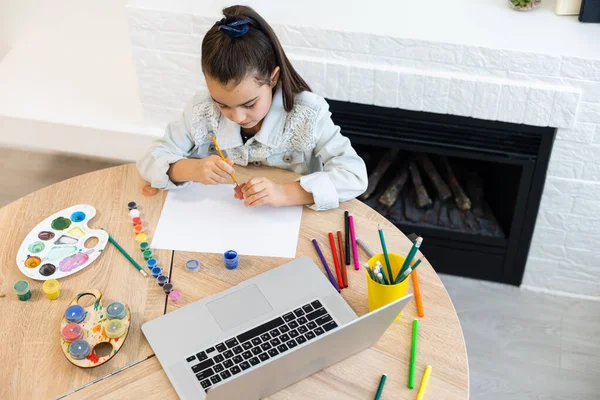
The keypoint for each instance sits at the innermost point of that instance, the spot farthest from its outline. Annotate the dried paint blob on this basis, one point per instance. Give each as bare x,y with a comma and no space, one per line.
36,247
76,231
33,262
64,239
57,253
69,264
45,235
47,270
148,190
61,223
79,349
114,328
78,216
72,332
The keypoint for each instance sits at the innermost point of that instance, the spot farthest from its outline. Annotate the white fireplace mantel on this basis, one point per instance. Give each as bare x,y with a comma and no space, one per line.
471,58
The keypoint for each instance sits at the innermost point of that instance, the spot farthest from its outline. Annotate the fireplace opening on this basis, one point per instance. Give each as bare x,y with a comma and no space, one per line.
470,187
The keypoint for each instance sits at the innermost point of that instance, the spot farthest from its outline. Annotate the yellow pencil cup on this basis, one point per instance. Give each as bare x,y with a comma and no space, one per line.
379,295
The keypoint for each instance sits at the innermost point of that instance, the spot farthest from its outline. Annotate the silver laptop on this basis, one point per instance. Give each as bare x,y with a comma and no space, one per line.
262,335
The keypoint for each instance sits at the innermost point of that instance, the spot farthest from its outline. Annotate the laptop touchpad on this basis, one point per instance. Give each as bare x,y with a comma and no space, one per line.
239,307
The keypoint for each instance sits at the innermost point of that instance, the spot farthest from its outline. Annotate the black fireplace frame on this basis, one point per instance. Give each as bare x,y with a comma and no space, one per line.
526,146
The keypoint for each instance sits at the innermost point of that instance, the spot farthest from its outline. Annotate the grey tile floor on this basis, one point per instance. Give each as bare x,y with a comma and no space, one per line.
521,345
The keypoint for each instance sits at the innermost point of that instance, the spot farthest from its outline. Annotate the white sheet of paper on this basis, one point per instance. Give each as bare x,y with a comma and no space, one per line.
209,219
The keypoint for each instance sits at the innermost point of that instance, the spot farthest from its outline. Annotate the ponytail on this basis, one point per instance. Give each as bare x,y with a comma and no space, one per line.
244,44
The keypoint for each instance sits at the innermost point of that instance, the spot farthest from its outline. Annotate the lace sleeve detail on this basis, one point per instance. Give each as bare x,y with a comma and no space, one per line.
299,129
205,121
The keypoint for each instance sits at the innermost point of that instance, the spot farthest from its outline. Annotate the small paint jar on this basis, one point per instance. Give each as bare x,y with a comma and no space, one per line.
136,221
75,313
52,289
231,259
22,290
72,332
152,263
116,310
162,279
144,246
134,213
156,271
138,229
132,205
147,254
175,296
167,288
115,328
141,237
192,266
79,349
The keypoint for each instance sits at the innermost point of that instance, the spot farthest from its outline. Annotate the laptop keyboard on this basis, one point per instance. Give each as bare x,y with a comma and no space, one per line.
234,355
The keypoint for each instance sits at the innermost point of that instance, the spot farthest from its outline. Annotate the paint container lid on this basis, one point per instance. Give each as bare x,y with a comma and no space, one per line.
138,229
72,332
156,271
167,288
134,213
148,190
115,328
162,279
141,237
75,313
21,288
175,296
51,286
152,263
136,221
116,310
192,265
79,349
144,246
131,205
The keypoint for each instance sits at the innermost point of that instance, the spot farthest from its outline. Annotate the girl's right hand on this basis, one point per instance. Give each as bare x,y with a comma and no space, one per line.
212,170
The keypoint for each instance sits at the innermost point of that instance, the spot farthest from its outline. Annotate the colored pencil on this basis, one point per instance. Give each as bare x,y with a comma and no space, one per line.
365,248
408,271
424,382
223,157
380,388
413,354
338,270
347,227
417,291
329,274
127,256
382,274
385,254
353,239
411,254
343,264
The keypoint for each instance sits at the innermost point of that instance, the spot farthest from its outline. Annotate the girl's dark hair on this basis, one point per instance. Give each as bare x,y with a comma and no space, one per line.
244,44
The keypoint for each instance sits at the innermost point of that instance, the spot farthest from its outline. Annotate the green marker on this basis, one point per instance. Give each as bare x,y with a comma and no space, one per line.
413,354
380,388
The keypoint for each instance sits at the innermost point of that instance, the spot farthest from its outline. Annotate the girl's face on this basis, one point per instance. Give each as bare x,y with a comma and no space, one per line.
246,103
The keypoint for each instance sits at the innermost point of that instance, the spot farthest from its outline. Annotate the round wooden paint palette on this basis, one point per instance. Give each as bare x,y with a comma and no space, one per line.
56,247
102,347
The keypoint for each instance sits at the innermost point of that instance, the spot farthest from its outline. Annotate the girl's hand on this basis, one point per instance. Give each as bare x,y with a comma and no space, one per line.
259,191
212,170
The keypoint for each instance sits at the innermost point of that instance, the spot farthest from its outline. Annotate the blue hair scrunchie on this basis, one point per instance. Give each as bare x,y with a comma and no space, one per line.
235,28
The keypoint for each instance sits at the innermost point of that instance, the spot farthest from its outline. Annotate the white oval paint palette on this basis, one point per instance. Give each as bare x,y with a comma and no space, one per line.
61,245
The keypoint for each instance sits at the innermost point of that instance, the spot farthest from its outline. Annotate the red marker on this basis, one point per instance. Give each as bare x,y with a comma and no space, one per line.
338,271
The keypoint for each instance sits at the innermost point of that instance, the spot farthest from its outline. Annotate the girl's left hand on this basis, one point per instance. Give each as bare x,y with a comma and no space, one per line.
259,191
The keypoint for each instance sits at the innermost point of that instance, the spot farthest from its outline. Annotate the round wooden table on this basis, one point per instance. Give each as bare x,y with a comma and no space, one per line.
33,365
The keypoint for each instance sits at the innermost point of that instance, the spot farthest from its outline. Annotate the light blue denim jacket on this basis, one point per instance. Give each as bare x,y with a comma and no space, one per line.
304,140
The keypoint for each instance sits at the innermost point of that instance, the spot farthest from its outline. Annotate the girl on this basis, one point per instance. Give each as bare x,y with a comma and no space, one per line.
261,112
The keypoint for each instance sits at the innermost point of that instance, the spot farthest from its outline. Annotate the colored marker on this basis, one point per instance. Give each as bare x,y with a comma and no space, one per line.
424,383
417,291
223,158
380,388
413,354
365,248
347,232
338,271
385,254
343,264
329,274
353,239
